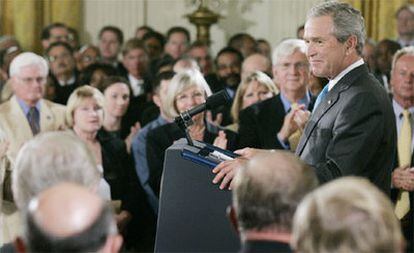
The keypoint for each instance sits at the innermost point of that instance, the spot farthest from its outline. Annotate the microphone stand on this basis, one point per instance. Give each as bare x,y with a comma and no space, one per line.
184,121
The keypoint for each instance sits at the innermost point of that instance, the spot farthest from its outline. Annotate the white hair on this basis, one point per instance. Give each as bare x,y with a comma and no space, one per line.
48,159
286,48
28,59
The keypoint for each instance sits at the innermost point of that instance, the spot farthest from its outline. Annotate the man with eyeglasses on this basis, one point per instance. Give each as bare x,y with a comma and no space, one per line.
271,124
25,115
64,78
54,32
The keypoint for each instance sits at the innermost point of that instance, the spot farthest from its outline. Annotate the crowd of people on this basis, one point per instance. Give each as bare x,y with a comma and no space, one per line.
322,124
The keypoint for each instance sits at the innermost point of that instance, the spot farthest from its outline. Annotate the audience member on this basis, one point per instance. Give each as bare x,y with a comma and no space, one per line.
26,113
300,32
200,52
185,63
244,43
63,74
346,215
73,38
402,84
271,124
110,42
178,41
46,160
383,59
134,217
256,62
338,141
95,73
53,33
254,88
139,143
154,43
264,202
405,25
186,90
117,92
86,225
264,48
368,54
88,54
142,31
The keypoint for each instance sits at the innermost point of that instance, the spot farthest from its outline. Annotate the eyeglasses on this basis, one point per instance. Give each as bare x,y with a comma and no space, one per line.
54,58
297,65
30,80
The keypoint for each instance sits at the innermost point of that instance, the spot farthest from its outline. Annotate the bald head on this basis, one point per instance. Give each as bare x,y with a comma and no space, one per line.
81,208
69,218
256,62
268,189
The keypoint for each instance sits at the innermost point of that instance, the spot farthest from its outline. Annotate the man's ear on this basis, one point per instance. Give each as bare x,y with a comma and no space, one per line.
231,215
156,100
19,245
351,43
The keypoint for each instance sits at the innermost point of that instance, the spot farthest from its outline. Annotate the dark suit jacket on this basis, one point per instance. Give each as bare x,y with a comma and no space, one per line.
264,246
352,132
260,123
160,138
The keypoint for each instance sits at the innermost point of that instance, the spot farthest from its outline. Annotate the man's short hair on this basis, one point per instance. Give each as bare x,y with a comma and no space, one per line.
48,159
286,48
119,34
156,84
408,7
236,41
60,44
347,21
110,80
156,35
346,215
267,190
179,29
229,50
132,44
28,59
403,51
90,240
46,30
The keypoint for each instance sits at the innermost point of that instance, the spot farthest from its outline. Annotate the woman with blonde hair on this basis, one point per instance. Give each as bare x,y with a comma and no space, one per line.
254,88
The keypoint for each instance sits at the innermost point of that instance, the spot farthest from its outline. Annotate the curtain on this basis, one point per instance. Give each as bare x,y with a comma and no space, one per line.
25,19
379,16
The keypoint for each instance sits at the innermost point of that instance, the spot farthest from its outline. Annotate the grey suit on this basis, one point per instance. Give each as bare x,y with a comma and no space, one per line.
352,132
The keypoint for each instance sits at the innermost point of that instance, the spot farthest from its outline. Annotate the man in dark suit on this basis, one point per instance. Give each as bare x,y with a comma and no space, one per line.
270,124
264,219
352,128
402,82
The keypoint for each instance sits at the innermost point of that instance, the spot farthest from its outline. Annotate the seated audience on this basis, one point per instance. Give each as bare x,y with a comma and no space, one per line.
383,59
256,87
135,219
368,54
186,90
63,73
139,144
178,41
264,48
53,33
348,214
117,92
200,52
142,31
256,62
244,43
87,224
185,63
88,54
264,202
95,73
154,44
110,42
405,28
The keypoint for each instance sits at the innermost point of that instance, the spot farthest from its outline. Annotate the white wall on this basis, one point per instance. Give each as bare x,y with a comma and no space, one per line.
272,20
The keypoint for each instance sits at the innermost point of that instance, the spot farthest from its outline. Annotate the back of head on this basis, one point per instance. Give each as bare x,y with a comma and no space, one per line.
48,159
346,215
68,218
268,189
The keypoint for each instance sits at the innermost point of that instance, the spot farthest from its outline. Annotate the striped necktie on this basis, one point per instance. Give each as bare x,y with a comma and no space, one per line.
33,118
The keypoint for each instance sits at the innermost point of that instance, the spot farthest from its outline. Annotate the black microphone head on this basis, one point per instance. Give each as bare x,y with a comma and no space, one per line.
217,99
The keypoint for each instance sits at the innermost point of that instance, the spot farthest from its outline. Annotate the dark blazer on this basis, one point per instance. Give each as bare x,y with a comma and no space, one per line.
260,123
352,132
123,181
160,138
263,246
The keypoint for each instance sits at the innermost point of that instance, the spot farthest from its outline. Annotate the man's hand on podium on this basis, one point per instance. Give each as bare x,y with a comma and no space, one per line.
226,170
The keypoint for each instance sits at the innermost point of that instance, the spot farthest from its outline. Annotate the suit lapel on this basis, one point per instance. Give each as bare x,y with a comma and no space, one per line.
46,117
19,120
330,100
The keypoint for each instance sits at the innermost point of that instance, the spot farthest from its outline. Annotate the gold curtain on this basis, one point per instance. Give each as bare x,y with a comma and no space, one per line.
379,16
25,19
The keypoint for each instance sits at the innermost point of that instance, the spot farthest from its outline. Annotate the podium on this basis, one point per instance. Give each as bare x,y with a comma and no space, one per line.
192,211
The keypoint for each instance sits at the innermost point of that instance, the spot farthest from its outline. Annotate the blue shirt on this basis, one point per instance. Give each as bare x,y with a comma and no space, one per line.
139,151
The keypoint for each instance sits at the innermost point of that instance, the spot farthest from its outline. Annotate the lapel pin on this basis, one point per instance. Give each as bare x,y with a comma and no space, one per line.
329,102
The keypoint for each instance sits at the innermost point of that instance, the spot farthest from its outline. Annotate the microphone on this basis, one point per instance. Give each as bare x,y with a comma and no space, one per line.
215,100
